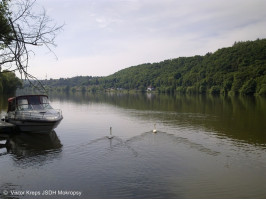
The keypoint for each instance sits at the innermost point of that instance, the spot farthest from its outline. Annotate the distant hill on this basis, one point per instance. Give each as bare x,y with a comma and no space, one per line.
240,69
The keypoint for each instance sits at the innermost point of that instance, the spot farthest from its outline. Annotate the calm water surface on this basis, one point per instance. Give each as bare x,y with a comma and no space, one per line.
205,147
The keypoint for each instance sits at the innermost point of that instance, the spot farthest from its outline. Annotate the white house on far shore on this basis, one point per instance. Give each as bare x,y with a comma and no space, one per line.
150,88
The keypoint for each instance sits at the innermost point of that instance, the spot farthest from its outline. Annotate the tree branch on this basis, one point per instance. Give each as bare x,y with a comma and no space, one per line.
28,29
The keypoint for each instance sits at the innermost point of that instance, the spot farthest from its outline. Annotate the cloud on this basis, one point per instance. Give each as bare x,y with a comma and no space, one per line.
103,36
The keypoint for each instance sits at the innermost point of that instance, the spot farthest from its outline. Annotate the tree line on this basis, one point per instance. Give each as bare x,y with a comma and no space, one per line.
240,69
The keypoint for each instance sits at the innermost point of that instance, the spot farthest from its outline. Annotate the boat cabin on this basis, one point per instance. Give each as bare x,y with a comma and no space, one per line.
28,102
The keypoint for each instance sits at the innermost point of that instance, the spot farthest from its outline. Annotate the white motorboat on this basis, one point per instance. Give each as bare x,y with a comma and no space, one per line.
32,113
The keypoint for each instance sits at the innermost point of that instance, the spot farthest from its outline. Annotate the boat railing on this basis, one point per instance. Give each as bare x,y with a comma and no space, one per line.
38,115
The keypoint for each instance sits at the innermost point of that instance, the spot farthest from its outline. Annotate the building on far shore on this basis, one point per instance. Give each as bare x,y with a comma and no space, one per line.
150,88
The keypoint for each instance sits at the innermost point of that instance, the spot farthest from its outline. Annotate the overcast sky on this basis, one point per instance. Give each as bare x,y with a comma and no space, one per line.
101,37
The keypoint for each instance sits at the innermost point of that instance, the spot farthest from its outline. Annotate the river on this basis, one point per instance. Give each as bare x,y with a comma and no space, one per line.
205,147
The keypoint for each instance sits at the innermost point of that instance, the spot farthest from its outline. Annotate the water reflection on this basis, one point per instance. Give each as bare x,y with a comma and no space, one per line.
240,118
31,148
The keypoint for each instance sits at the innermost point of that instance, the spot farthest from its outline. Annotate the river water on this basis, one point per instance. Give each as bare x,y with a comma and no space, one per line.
205,147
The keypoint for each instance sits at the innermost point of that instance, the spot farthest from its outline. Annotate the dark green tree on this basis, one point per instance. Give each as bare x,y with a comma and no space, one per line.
249,87
6,34
9,82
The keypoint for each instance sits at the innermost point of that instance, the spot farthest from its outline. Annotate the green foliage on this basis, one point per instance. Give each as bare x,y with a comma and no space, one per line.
215,90
249,87
202,89
261,85
262,90
9,82
83,89
227,84
180,90
191,90
6,33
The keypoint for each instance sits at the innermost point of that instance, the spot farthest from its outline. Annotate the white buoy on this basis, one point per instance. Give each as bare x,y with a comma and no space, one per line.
110,136
154,130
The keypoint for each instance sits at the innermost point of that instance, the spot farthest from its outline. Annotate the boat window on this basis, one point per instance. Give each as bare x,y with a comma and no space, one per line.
23,104
44,100
34,100
35,103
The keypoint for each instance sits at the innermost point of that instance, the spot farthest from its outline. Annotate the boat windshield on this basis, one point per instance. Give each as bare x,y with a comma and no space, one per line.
33,103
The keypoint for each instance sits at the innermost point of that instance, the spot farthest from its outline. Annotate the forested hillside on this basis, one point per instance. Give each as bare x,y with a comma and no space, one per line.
237,69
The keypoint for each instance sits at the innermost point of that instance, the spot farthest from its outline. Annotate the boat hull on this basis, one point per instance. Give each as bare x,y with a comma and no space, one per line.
35,126
32,113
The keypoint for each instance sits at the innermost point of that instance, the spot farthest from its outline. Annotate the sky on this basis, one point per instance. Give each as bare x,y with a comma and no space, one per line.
101,37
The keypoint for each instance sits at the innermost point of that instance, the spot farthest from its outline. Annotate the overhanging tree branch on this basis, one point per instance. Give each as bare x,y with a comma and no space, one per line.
27,30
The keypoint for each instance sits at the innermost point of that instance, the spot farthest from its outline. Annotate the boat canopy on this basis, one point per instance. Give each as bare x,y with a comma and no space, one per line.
23,102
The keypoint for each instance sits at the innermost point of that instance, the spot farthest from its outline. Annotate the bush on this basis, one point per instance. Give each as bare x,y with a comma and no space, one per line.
191,90
249,87
215,90
227,86
262,90
181,90
73,90
202,89
83,89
